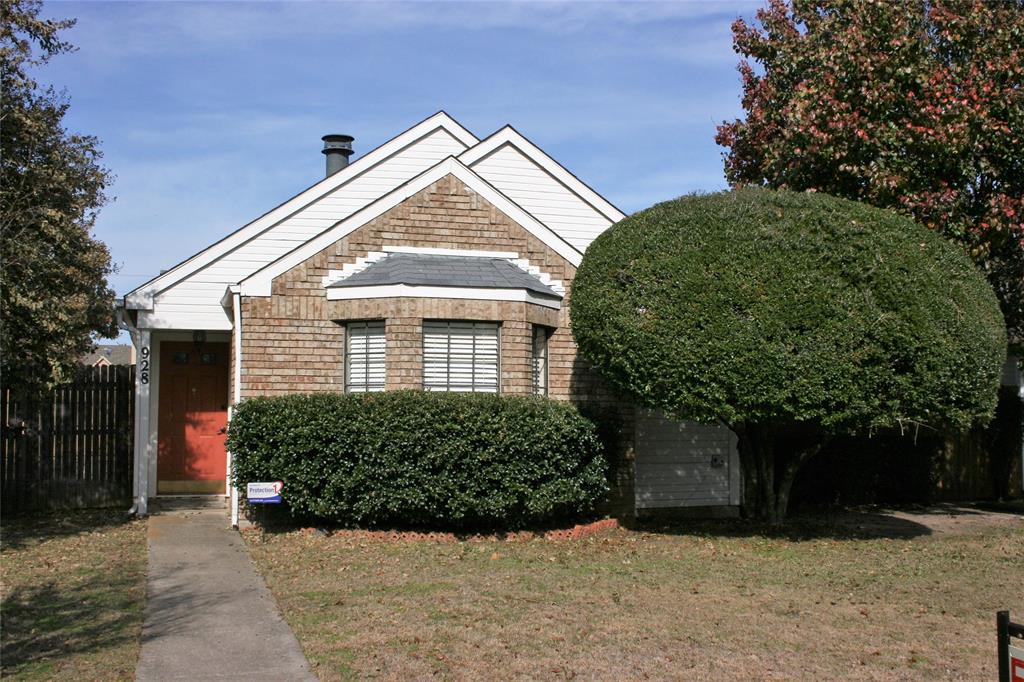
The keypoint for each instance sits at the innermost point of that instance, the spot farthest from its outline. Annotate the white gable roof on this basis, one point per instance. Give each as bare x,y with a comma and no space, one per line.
510,137
439,130
542,186
506,168
258,284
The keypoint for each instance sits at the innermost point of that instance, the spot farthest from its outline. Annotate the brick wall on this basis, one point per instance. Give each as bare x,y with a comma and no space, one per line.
293,341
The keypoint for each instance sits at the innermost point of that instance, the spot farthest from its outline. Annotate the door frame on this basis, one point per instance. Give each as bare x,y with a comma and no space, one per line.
156,342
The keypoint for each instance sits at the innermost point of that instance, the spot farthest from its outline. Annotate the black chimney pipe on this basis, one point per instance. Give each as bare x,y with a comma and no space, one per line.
337,148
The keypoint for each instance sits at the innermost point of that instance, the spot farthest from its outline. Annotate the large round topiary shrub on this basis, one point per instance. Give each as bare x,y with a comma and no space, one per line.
788,316
421,459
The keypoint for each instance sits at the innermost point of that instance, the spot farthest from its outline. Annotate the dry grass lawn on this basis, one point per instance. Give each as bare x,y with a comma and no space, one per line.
73,589
874,598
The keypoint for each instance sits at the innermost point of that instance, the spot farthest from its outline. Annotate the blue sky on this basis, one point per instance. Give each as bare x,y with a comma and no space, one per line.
211,113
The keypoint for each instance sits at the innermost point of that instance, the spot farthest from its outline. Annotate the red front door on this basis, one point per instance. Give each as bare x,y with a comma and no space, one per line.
193,418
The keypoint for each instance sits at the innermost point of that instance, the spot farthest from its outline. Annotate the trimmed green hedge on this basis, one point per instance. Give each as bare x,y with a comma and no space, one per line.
421,459
758,306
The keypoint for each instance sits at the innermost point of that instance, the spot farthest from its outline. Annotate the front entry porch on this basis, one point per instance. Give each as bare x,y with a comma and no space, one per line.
192,429
182,410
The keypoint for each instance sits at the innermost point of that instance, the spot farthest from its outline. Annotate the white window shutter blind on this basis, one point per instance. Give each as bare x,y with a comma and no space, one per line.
460,356
540,359
365,356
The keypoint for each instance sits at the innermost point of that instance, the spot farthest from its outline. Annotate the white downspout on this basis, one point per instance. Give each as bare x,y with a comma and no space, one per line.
236,309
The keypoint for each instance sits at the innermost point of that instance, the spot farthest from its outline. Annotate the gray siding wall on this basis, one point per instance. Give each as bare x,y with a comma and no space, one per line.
684,464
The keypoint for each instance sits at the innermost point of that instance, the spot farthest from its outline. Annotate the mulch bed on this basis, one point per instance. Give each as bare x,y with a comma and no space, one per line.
555,534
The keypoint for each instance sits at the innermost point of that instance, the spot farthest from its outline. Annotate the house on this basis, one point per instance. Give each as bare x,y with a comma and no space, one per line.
110,354
438,261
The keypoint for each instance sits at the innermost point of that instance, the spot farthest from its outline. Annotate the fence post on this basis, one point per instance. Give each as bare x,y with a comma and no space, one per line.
1003,639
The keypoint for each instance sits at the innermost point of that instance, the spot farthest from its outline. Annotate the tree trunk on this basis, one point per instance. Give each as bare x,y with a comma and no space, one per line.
769,471
748,468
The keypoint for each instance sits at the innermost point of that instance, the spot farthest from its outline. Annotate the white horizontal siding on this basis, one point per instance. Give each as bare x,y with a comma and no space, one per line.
206,318
551,202
674,464
195,300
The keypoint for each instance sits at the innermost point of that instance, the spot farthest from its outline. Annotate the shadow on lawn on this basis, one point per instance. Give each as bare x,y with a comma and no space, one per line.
18,531
853,524
46,621
836,524
1001,506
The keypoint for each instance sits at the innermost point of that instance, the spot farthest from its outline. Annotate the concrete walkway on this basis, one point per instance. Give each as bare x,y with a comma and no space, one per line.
209,616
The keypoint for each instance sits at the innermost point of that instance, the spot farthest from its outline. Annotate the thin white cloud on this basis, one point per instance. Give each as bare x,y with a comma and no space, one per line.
159,27
213,150
206,128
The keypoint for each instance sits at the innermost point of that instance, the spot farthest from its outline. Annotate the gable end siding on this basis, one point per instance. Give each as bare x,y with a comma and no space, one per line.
194,302
522,180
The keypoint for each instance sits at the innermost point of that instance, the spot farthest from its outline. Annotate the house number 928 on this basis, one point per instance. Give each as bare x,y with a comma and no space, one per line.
144,365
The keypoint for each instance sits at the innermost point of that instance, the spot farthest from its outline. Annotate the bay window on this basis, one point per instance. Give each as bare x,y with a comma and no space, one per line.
461,356
365,351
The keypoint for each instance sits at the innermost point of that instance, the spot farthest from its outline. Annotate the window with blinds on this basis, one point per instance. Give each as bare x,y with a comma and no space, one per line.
364,356
540,359
460,356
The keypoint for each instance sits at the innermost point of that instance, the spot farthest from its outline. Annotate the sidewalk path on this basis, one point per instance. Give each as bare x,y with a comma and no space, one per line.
209,616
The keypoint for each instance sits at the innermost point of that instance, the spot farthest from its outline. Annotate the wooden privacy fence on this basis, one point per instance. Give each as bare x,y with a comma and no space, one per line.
72,448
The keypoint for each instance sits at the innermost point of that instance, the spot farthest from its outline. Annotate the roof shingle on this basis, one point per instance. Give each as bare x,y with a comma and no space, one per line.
446,271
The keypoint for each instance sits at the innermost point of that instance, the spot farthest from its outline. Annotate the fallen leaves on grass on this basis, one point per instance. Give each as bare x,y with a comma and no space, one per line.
667,603
73,592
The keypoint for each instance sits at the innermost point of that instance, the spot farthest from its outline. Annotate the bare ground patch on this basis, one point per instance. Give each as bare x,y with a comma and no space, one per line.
821,600
908,521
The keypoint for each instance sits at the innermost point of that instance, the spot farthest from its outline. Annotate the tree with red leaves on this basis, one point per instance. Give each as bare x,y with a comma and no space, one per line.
913,105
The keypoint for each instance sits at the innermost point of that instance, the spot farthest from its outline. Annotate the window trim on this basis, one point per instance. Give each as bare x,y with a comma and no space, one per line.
495,324
365,387
545,386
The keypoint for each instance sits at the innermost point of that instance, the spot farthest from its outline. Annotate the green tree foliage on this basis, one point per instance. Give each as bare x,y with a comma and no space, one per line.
425,459
53,284
914,105
789,317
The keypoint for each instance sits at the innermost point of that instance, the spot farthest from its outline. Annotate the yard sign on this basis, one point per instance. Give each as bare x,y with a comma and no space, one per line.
1016,664
1011,648
264,493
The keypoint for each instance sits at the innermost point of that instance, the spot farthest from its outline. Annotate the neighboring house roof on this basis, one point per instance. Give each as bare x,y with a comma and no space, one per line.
446,271
505,168
113,354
